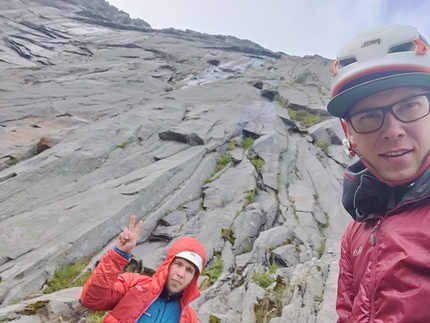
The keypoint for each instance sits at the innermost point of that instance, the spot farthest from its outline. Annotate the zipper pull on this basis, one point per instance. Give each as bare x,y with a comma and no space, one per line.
372,235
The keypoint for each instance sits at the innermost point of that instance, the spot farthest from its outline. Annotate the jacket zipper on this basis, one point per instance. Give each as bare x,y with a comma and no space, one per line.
373,242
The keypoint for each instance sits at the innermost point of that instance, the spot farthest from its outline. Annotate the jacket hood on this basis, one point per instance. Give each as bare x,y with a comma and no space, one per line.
365,196
160,277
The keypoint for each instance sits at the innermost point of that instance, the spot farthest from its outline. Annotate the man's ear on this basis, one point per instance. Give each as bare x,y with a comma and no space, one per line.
348,142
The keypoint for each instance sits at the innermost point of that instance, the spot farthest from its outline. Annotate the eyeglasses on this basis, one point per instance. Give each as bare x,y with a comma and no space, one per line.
407,110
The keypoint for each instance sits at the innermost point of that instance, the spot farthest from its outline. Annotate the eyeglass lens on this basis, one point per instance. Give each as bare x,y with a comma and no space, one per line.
407,110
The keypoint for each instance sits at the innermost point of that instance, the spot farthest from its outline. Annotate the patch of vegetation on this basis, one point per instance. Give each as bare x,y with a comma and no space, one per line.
228,235
321,249
247,249
222,162
248,143
277,98
316,196
268,308
287,242
318,298
95,317
210,179
273,268
231,145
65,277
249,199
323,145
215,271
263,280
305,118
258,163
123,145
31,309
12,161
213,319
322,226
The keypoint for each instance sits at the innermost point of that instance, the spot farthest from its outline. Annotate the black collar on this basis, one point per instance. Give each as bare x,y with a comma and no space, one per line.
366,197
169,298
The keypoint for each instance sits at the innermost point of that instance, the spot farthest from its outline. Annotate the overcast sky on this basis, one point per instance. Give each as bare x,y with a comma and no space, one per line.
295,27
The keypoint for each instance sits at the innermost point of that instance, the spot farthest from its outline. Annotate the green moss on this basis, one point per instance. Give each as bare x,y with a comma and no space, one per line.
263,280
247,249
12,161
65,277
248,143
305,118
258,164
323,145
222,162
318,298
31,309
228,235
249,199
215,271
213,319
322,226
231,145
287,242
268,308
273,268
123,145
321,249
95,317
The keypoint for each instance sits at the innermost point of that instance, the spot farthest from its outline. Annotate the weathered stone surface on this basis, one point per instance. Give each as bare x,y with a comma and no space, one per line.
103,117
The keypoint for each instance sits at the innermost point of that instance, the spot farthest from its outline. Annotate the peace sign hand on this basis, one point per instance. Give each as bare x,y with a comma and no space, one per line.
127,239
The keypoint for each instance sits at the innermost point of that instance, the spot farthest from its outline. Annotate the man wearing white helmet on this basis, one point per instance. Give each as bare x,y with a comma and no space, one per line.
131,297
381,93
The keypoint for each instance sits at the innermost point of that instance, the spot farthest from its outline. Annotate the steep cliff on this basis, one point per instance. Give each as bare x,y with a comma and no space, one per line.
103,117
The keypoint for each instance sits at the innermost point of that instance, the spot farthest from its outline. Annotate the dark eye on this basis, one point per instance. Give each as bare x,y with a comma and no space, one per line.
368,116
408,105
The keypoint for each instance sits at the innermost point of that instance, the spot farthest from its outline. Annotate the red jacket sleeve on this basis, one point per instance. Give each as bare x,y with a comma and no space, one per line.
345,291
106,286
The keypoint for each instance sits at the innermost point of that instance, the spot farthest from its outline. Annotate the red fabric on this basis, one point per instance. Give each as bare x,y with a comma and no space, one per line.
390,280
128,295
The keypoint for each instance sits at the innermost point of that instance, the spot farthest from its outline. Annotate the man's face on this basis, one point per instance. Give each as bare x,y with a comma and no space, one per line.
181,273
397,150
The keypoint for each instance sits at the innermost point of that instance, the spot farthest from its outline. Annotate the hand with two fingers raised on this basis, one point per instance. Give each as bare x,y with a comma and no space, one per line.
127,239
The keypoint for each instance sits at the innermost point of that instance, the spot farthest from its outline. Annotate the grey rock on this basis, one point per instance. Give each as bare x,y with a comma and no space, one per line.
286,255
103,117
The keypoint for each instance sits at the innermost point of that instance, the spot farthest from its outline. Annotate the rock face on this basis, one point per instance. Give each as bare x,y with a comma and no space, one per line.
103,117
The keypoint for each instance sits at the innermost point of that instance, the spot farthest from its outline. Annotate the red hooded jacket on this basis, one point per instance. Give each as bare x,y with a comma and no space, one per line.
128,295
385,253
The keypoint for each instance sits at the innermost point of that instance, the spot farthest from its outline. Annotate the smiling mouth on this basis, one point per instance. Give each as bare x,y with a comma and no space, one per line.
395,153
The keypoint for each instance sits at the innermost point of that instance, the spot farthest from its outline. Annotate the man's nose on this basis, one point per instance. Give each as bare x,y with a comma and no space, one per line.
181,272
392,127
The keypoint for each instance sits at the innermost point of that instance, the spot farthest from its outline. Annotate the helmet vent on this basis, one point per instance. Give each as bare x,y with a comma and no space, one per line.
406,47
345,62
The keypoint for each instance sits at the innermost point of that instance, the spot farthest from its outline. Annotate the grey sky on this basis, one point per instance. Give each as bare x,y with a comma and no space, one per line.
295,27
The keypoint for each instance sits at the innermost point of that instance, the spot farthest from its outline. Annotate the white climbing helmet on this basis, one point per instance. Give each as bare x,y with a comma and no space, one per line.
193,257
379,59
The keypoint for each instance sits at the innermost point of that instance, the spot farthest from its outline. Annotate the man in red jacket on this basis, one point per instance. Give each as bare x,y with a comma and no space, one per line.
381,92
130,297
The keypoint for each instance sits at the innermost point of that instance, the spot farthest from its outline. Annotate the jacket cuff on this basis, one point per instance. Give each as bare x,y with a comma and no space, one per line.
123,254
